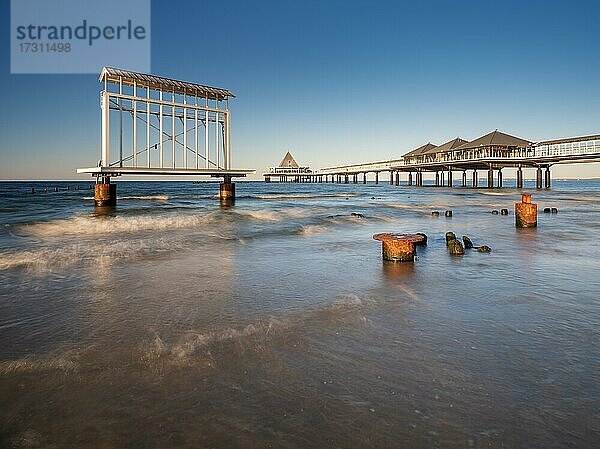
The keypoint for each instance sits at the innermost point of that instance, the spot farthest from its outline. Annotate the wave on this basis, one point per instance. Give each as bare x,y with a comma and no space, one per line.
52,258
137,197
277,196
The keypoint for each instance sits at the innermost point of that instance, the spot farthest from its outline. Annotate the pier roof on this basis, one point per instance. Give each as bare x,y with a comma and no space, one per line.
568,140
421,150
496,139
144,80
288,161
449,146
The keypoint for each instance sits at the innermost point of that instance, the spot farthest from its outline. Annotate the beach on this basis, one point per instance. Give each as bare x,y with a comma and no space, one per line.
171,321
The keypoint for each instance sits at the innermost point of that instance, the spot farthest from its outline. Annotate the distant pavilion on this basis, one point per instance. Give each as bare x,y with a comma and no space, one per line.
288,170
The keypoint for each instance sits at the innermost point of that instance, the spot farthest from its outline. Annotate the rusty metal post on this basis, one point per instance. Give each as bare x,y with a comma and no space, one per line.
399,247
526,212
227,190
105,193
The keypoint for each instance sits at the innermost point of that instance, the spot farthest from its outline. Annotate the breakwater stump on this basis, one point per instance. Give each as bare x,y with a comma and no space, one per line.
399,247
525,212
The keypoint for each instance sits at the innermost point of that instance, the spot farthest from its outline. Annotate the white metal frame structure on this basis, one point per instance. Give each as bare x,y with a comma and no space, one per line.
171,115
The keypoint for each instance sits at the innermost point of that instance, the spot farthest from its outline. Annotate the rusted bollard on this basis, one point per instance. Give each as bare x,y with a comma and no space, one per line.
526,212
435,213
448,213
399,247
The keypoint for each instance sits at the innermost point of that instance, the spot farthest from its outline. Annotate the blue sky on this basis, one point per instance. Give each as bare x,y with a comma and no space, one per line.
336,82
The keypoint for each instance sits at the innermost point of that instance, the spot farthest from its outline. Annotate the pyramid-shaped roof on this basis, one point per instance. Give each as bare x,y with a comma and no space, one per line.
449,146
288,161
421,150
495,138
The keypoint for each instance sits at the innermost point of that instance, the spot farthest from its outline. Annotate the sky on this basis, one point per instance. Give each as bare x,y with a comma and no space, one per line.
335,82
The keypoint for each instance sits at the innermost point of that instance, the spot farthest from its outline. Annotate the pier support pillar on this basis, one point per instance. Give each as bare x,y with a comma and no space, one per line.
345,179
538,183
464,178
525,212
547,185
227,190
475,178
376,177
442,176
267,179
500,178
397,178
355,178
105,193
519,178
365,178
449,178
410,178
391,177
490,178
437,179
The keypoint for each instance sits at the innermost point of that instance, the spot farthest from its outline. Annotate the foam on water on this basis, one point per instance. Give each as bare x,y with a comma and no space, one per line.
50,258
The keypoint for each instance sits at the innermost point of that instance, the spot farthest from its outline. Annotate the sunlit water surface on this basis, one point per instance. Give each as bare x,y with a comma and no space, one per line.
173,322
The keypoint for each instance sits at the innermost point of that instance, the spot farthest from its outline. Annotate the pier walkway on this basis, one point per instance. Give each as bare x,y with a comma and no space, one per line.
490,153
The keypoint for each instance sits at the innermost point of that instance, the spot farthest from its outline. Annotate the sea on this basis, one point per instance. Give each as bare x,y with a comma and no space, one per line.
173,321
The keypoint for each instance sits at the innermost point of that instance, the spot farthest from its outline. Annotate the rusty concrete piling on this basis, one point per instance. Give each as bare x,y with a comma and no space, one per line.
105,193
399,247
526,212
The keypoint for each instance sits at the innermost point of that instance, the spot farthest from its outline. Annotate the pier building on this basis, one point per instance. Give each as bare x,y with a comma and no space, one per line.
490,153
288,170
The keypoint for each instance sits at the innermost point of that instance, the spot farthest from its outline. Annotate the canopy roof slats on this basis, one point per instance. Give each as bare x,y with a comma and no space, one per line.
143,80
495,139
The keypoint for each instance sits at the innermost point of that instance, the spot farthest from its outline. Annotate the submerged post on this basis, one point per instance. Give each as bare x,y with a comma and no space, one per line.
105,193
227,190
526,212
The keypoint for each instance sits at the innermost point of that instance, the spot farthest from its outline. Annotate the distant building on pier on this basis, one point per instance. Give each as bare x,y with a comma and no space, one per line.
288,170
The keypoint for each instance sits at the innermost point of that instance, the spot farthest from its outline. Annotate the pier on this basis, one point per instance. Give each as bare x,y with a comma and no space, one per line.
459,162
164,127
